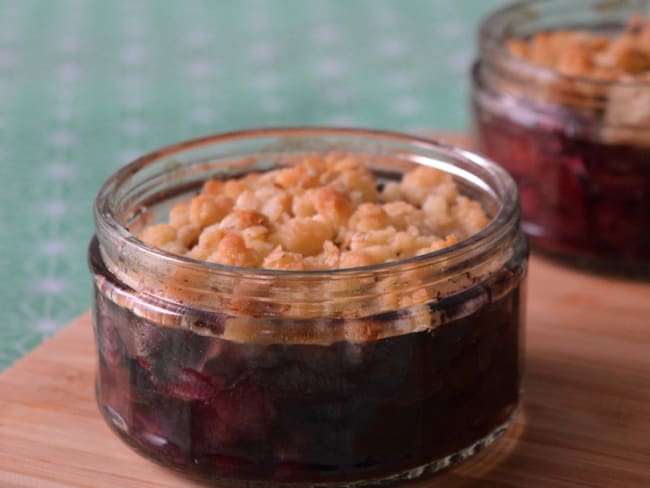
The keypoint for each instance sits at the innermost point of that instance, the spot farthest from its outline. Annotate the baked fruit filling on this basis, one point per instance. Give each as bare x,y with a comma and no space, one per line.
578,142
245,396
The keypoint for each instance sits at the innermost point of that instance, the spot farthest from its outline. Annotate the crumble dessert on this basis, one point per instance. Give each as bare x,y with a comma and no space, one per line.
329,376
571,122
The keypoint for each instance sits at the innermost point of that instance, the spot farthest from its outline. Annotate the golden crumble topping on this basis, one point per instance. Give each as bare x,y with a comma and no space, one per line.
623,57
622,61
322,213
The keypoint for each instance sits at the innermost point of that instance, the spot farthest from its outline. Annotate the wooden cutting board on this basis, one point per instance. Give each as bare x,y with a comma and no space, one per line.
586,417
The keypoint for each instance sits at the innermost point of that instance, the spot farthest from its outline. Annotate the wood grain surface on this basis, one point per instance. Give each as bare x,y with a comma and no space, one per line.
585,423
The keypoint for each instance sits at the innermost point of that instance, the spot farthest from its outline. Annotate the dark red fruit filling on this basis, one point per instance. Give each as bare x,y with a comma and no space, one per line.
218,409
580,198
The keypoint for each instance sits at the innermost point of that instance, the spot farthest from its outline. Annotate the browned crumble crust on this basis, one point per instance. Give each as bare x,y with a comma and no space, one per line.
323,213
624,57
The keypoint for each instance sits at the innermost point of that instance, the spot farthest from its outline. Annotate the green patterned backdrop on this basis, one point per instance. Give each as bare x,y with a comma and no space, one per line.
86,85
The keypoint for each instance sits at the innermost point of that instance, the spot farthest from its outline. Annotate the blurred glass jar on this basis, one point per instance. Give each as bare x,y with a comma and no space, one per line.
378,373
578,147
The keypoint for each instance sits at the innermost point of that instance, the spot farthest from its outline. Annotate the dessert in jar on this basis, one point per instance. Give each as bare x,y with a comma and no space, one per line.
561,98
308,306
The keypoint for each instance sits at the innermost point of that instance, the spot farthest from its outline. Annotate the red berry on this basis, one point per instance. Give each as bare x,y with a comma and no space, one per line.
187,384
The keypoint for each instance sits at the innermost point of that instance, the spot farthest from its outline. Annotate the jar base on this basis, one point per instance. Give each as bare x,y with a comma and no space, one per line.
119,426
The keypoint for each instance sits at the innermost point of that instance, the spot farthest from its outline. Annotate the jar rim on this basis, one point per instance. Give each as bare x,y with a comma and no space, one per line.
491,38
107,223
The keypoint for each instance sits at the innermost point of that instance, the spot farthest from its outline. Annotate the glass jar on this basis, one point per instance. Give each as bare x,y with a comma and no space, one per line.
578,147
312,377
